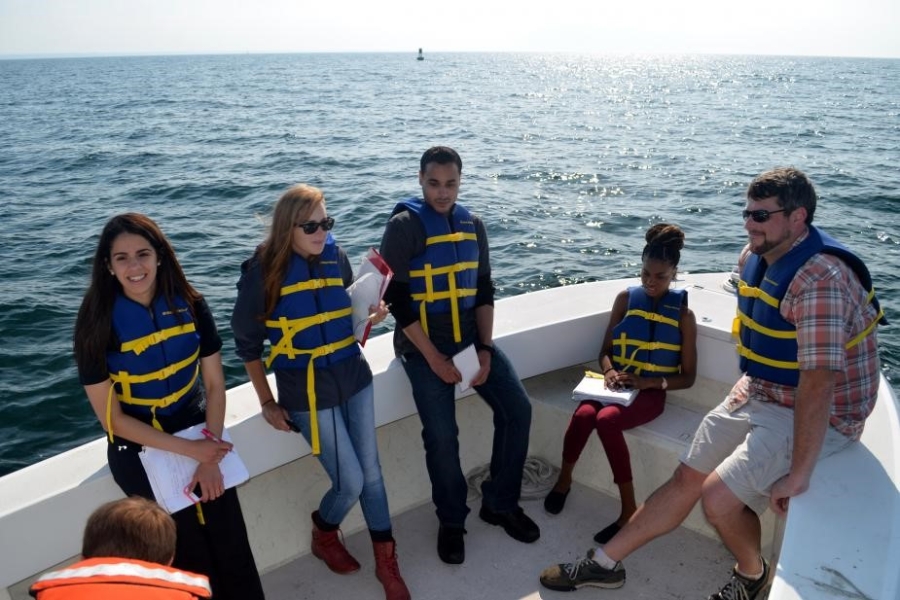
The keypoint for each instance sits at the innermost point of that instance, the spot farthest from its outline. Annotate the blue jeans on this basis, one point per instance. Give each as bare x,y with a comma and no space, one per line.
349,454
435,402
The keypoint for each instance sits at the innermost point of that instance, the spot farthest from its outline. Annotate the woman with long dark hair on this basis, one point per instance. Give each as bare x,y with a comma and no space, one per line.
148,355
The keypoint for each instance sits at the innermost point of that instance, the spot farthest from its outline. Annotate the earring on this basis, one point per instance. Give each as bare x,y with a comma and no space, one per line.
158,263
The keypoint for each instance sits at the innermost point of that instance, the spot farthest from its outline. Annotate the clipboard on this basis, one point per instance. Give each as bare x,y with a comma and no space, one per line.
169,472
367,289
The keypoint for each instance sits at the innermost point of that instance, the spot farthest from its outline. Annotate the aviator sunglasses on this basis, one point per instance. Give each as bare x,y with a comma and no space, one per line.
760,216
310,227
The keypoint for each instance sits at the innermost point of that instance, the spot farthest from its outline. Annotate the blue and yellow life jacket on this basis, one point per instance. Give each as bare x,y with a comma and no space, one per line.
648,340
311,325
767,343
156,365
444,279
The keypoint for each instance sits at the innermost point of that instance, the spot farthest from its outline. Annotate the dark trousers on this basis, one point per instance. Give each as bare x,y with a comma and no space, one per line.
219,549
504,393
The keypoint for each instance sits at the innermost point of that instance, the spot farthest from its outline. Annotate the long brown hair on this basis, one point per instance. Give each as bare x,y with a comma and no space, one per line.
294,206
93,327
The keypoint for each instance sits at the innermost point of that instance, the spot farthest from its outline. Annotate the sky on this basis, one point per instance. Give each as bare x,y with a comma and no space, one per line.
866,28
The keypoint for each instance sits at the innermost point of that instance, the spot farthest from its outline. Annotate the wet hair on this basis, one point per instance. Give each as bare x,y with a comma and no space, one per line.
664,242
441,155
790,186
93,334
134,528
294,206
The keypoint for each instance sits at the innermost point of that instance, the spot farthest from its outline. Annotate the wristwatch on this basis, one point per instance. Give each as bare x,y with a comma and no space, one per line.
665,383
480,346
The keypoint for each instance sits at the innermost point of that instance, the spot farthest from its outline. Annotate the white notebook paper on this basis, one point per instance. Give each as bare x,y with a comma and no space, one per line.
169,472
466,362
593,387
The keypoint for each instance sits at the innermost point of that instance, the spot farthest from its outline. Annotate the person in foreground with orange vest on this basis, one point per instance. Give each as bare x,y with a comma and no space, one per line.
650,345
148,356
127,550
292,292
806,328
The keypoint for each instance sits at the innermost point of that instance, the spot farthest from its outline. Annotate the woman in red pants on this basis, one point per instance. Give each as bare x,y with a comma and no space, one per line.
650,345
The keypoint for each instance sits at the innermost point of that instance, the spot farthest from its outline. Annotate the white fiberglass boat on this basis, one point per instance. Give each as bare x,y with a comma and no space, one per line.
841,539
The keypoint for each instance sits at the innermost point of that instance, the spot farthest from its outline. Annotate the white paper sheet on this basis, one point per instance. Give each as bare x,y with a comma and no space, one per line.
593,387
466,362
169,472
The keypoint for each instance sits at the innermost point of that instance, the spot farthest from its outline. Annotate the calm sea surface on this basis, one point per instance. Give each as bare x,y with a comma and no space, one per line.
569,158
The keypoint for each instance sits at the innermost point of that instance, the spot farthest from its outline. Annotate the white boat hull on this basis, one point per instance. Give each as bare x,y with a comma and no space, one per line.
846,527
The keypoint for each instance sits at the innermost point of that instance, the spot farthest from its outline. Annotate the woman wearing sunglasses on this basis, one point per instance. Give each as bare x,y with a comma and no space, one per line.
651,313
148,355
292,292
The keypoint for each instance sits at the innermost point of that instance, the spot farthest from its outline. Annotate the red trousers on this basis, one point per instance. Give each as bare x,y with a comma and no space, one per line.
610,422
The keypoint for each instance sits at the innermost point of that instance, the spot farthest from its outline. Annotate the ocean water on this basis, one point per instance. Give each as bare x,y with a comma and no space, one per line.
569,158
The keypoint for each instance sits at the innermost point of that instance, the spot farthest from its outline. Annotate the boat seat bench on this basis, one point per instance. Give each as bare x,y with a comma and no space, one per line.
655,447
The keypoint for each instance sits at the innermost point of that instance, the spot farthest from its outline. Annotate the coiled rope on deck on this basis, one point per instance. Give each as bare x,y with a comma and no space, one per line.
538,478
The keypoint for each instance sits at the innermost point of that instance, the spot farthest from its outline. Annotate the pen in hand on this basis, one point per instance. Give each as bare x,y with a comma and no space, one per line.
212,437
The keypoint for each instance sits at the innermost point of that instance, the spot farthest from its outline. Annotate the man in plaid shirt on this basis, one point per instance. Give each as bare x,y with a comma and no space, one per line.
808,348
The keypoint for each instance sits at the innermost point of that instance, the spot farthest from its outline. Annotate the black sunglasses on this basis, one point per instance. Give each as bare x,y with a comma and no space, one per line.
310,227
760,216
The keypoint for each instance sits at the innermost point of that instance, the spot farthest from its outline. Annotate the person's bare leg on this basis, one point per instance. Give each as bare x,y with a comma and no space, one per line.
663,511
736,524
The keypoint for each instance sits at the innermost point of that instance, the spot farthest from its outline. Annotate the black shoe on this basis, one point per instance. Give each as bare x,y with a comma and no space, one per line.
585,572
451,545
556,501
741,587
515,523
607,534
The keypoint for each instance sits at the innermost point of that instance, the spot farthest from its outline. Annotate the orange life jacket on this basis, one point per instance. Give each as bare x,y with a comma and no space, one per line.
116,578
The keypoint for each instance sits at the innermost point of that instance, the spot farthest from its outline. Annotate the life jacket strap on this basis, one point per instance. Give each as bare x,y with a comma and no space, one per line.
141,344
457,236
749,291
453,293
312,284
311,385
652,316
291,327
623,342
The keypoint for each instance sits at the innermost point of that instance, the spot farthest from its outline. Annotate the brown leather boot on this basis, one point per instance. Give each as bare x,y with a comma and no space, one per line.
327,546
388,572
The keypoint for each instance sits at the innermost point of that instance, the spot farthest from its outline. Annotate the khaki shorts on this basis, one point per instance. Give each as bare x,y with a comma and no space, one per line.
750,448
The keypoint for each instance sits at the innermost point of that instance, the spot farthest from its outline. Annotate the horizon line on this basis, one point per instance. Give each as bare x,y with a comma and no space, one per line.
414,52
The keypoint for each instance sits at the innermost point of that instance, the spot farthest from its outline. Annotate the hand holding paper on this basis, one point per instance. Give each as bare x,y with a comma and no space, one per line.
466,362
379,313
593,387
366,293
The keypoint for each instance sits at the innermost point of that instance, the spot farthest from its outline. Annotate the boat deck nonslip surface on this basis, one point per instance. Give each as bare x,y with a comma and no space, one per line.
682,564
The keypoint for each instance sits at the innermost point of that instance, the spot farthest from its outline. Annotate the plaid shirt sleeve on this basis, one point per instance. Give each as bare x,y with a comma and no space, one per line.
830,307
817,304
